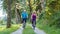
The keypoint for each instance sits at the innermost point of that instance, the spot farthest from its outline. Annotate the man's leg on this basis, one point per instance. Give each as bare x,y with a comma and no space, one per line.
24,24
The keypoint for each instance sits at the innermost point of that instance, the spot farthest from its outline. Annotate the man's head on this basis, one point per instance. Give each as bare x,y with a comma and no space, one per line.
24,10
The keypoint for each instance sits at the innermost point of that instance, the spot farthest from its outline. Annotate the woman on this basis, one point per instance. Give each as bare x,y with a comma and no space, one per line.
33,18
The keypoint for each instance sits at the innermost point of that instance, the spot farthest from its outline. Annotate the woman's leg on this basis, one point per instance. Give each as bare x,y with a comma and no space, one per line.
34,24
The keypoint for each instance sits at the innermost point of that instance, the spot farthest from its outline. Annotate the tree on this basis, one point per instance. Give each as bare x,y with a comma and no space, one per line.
17,12
13,3
8,13
30,7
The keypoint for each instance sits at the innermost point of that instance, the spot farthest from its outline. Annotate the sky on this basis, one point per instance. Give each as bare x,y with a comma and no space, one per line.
1,9
2,14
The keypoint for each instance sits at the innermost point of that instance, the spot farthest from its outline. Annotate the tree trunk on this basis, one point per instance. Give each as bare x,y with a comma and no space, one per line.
30,6
8,13
43,3
17,13
18,16
34,1
30,9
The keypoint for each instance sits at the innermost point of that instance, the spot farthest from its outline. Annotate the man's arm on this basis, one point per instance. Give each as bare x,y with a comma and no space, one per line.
21,16
27,15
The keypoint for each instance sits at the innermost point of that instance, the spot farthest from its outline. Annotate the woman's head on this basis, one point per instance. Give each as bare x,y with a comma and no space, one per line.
34,12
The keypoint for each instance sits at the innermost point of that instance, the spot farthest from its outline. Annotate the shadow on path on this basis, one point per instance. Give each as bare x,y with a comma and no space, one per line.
19,31
38,31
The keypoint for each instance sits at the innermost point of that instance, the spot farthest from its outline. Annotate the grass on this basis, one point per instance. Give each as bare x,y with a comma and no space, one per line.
48,30
4,30
28,30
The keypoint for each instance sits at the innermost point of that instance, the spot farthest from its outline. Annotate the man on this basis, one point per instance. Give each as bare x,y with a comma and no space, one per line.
24,16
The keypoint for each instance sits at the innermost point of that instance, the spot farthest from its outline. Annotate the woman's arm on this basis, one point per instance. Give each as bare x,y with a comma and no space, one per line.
31,16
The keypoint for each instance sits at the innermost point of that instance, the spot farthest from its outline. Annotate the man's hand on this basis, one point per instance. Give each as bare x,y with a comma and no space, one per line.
21,16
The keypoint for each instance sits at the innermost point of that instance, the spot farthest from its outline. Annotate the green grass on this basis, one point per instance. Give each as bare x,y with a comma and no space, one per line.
4,30
48,30
28,30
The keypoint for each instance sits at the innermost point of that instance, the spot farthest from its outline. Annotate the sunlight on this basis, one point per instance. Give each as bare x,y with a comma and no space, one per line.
2,13
2,28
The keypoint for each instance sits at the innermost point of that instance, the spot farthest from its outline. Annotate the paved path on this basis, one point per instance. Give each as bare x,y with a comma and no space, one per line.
38,31
19,31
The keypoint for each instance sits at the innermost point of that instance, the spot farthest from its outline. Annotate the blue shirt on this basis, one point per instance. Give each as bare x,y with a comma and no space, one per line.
24,15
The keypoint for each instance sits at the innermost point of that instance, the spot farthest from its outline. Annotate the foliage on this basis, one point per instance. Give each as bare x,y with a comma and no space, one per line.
52,13
46,28
9,30
12,7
